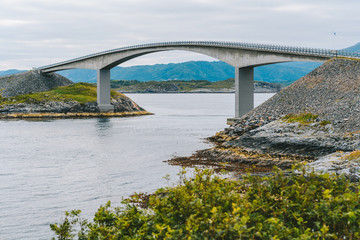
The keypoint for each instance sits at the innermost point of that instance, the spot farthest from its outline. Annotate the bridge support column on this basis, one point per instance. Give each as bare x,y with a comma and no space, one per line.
244,90
103,90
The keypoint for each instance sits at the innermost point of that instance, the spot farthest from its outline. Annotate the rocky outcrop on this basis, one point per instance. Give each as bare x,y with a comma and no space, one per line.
125,104
32,92
331,93
293,138
121,104
29,82
338,163
265,87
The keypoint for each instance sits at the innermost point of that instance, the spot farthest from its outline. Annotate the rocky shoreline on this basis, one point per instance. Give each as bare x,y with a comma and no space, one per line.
120,105
196,91
72,115
258,146
194,86
315,120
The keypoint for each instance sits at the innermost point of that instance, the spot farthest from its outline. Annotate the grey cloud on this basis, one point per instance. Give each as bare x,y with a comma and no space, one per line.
43,30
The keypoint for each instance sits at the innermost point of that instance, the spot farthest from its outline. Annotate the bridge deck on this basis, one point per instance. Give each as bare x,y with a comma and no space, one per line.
316,52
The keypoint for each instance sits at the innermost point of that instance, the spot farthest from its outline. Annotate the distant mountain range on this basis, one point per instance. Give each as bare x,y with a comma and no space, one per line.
11,71
282,73
355,48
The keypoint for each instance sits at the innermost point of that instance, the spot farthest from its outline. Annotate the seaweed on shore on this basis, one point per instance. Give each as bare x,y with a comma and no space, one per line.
237,160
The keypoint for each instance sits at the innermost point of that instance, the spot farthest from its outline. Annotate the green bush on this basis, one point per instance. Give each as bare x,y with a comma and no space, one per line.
299,206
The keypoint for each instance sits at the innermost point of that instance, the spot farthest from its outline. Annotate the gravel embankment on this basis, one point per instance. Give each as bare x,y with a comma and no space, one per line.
29,82
331,91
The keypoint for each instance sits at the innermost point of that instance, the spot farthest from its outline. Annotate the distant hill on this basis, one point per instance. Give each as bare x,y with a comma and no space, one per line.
194,70
181,86
355,48
282,73
11,71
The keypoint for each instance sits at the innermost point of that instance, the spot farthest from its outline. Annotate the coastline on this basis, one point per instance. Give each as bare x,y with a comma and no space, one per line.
72,115
315,120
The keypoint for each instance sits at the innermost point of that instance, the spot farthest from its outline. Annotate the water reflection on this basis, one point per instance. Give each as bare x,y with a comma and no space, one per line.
103,126
48,167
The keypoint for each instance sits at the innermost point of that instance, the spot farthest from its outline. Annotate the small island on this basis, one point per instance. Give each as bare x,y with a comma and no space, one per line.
34,95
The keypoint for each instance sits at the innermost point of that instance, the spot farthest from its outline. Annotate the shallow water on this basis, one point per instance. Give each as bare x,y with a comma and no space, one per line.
48,167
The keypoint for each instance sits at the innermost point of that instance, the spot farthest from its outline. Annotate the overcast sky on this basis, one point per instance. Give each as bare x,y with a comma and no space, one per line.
34,33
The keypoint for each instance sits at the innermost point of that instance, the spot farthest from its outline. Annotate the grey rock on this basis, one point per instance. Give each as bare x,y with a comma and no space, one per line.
280,137
336,163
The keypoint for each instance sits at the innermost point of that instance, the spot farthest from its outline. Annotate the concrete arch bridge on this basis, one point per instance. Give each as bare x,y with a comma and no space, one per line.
243,56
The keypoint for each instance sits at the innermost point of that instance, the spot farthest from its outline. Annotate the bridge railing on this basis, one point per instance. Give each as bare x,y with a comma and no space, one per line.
240,45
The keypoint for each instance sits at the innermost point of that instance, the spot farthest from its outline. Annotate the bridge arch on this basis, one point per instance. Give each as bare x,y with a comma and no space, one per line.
243,56
232,54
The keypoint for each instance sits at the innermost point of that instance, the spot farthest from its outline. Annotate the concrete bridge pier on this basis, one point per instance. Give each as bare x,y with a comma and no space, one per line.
244,92
103,90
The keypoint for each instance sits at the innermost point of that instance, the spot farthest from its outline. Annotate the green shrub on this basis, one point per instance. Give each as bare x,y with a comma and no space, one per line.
299,206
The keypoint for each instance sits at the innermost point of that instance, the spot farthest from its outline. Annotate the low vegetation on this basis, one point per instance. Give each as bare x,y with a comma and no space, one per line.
80,92
298,206
324,123
181,85
353,156
305,119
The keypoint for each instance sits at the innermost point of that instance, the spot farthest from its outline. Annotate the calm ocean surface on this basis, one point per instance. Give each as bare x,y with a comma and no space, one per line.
48,167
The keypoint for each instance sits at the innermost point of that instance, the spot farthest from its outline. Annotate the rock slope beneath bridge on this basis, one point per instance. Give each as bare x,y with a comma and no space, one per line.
332,91
314,117
29,82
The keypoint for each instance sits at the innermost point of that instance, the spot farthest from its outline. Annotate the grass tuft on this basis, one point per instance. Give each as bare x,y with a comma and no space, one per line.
324,123
303,118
